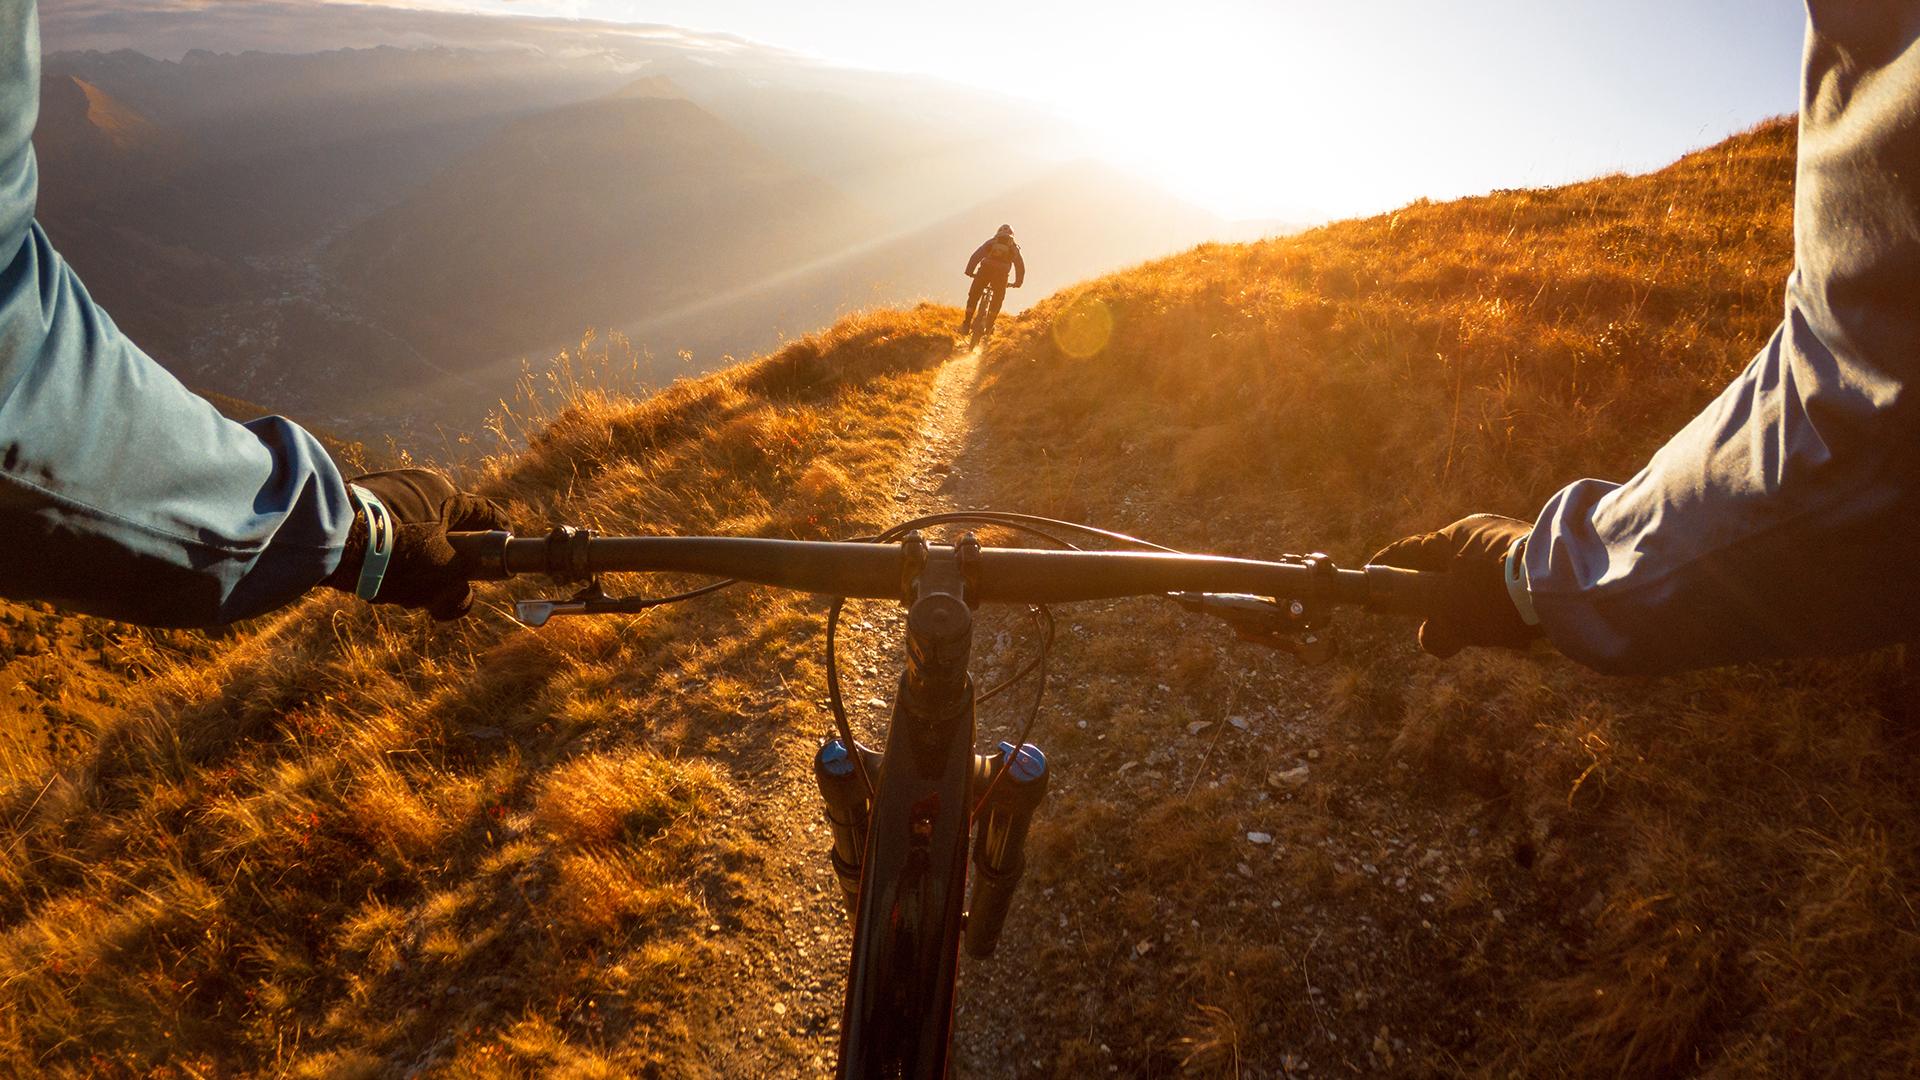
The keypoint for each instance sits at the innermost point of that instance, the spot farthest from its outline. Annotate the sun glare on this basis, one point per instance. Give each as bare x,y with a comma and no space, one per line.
1209,107
1083,328
1278,109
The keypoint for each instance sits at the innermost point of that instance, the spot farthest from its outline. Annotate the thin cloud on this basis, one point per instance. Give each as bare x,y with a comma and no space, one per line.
169,29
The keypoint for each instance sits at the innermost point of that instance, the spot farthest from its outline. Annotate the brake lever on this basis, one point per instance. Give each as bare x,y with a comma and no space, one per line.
1286,627
590,600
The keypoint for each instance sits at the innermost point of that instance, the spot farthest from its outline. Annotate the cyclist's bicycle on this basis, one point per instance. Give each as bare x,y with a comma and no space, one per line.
980,327
905,818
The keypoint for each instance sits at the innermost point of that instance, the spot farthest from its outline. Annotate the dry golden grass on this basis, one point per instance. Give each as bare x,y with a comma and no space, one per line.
1476,352
1705,875
348,842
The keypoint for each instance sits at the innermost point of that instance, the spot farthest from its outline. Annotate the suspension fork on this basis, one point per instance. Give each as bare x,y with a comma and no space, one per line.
1001,823
1015,780
849,811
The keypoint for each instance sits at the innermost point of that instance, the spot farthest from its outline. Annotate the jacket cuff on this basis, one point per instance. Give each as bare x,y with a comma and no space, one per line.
1518,589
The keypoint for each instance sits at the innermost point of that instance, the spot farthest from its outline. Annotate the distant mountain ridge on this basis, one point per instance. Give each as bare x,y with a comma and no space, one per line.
123,128
580,216
377,236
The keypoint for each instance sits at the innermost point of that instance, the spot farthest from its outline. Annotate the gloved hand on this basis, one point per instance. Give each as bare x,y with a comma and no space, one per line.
424,572
1476,608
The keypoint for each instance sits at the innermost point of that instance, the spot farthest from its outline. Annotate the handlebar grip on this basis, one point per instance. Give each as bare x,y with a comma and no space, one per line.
1393,590
482,555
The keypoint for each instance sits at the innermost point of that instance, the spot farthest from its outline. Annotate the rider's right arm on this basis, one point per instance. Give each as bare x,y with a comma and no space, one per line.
122,493
978,254
1785,518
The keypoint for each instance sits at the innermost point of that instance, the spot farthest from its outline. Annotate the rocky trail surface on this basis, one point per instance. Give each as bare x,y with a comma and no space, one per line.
1269,833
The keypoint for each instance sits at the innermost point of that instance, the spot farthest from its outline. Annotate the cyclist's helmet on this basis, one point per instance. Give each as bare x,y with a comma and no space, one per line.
1005,230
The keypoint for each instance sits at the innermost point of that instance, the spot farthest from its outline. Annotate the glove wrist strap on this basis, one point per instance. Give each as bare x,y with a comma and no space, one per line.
1518,589
380,537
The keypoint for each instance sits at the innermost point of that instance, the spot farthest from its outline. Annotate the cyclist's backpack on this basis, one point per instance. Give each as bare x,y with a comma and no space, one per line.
999,255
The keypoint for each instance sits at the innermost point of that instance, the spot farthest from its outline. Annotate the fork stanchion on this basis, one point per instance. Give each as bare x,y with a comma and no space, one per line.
848,810
1000,843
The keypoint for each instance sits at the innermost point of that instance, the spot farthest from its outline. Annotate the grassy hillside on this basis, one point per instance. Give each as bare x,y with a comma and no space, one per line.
351,843
1372,374
1500,865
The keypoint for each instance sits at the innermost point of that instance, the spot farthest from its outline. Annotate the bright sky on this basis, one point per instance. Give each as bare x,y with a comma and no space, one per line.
1304,109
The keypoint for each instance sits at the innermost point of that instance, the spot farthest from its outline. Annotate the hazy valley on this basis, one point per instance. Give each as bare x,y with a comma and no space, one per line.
378,239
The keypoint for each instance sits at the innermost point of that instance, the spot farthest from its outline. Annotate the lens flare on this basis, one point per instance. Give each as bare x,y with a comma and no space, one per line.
1084,328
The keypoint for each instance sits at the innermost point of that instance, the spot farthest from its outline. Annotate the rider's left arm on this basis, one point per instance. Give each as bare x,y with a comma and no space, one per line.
121,492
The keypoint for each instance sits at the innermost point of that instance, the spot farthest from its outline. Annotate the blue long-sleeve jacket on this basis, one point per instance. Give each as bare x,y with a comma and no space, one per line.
1785,518
121,492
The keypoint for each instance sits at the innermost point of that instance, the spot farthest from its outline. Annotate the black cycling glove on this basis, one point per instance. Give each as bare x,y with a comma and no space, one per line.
424,572
1475,607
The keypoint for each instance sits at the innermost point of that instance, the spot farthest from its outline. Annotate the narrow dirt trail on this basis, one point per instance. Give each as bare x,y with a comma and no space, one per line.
789,961
931,480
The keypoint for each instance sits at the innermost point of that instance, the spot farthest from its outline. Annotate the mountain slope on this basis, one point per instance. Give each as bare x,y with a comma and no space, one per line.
203,247
96,143
285,148
113,125
1072,221
583,216
1498,865
348,842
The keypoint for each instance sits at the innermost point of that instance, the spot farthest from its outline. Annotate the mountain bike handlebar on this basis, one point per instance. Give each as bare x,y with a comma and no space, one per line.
904,820
999,575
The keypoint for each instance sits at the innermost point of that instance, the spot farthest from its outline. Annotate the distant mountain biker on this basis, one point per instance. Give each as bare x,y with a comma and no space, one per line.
1784,519
124,494
989,266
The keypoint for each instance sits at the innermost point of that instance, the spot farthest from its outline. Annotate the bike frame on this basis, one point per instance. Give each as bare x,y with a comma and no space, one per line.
898,1018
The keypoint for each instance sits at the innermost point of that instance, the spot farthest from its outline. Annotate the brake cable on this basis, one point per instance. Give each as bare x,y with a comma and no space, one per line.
1043,618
